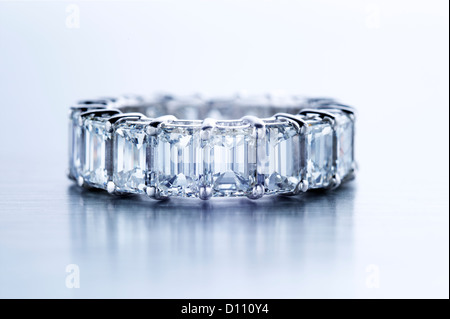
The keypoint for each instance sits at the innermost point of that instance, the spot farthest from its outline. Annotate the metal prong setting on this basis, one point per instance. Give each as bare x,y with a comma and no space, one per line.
296,120
351,175
207,126
110,187
302,186
162,120
154,193
80,181
335,182
100,112
122,117
253,121
150,191
90,108
154,124
256,192
338,106
205,192
69,176
321,113
86,107
258,125
151,130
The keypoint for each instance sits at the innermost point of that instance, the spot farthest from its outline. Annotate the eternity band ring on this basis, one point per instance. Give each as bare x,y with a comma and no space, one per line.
243,146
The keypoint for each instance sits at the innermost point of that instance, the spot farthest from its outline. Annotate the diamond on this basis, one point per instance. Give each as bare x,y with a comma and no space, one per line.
130,157
177,161
280,163
233,148
344,138
97,142
75,144
319,144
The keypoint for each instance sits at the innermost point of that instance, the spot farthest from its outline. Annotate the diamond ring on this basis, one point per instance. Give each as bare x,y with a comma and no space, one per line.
243,146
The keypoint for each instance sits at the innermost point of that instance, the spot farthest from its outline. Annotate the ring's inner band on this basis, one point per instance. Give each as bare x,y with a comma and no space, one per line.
218,111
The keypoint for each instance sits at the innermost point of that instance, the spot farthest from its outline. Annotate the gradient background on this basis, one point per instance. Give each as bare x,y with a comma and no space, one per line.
385,235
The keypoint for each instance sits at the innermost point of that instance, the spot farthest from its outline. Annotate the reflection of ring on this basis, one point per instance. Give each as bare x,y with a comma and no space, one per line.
128,145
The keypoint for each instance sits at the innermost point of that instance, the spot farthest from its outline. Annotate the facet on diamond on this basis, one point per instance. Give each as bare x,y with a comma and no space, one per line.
319,147
130,157
177,164
280,158
97,142
75,144
233,168
344,139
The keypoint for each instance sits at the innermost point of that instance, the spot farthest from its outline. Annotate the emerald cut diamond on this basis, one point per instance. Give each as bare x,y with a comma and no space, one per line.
97,142
130,157
177,159
319,147
233,147
281,156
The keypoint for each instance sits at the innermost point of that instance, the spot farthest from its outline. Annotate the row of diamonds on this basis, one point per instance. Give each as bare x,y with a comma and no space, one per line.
196,106
230,158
